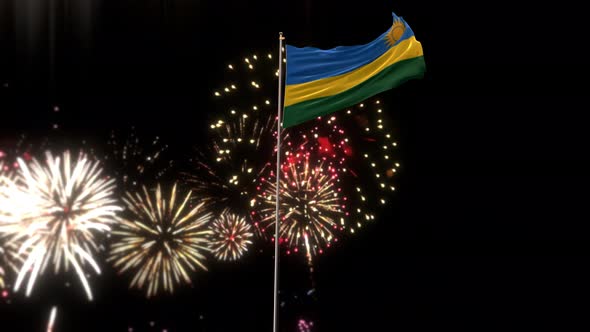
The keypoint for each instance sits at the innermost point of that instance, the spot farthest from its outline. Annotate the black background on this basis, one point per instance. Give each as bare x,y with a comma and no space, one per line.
488,230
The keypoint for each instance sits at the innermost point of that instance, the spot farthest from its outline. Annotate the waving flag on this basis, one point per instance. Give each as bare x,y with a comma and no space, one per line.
320,82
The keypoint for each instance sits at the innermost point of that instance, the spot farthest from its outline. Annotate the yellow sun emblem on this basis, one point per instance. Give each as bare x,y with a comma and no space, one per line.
396,32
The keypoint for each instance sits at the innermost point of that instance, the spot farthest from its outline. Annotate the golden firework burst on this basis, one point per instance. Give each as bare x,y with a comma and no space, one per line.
162,239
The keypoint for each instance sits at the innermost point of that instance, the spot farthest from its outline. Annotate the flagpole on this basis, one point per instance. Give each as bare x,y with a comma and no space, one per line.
278,175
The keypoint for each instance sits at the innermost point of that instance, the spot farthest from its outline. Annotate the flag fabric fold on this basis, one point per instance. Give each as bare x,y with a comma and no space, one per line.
320,82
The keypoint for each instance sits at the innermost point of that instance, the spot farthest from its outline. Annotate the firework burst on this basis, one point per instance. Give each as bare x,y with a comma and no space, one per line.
160,239
366,161
135,160
242,140
355,145
231,236
311,206
57,208
358,142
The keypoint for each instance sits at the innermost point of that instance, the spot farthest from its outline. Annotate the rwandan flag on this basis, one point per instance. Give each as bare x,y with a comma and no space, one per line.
320,82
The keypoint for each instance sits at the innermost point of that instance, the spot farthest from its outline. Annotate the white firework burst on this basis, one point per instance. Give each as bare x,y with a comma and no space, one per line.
57,208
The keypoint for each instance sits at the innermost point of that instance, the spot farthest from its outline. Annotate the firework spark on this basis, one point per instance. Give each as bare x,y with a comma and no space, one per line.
365,161
311,206
160,238
23,146
304,326
357,142
231,236
242,145
135,160
355,146
7,173
56,208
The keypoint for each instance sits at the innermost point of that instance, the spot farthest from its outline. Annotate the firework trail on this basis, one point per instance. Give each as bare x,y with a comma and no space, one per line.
159,239
57,208
52,316
231,236
355,144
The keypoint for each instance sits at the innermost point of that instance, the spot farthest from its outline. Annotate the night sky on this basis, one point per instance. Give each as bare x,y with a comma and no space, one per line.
487,229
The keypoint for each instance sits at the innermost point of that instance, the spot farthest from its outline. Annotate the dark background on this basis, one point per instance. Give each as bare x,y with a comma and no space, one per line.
488,230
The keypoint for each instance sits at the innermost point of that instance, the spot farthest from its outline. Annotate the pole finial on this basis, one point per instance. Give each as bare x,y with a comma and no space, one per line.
281,37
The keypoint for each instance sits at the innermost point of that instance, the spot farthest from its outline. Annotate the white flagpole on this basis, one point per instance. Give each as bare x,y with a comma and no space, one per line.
278,175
